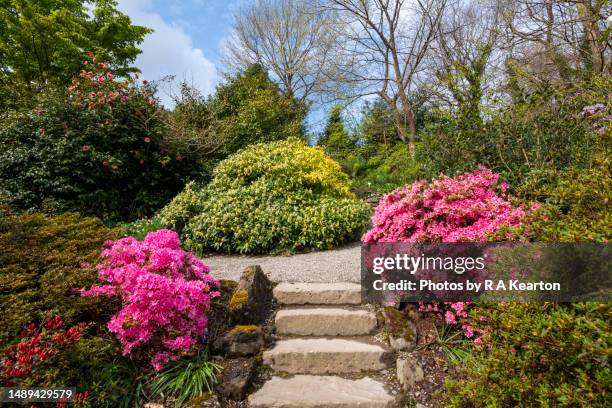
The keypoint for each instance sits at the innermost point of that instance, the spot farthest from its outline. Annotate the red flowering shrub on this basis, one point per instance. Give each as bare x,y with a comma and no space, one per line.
36,348
467,207
166,293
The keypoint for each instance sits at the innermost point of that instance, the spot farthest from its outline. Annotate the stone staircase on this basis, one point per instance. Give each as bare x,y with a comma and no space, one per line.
324,338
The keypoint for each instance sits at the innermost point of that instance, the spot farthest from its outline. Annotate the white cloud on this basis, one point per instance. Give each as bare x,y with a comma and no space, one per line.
169,50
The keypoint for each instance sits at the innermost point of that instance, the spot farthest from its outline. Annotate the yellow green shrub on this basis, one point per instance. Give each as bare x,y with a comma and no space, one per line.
269,197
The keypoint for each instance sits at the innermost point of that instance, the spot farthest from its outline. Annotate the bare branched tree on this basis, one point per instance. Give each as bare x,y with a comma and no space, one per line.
561,39
288,39
466,53
384,44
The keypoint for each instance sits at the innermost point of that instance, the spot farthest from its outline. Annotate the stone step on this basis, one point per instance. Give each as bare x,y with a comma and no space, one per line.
318,293
325,322
324,356
307,391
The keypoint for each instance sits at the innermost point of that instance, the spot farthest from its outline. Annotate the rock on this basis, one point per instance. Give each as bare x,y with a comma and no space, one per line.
307,391
402,332
325,322
240,341
218,317
251,302
409,372
318,293
236,378
325,356
153,405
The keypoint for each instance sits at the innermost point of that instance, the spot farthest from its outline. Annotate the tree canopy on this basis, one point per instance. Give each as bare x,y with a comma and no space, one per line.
248,108
44,42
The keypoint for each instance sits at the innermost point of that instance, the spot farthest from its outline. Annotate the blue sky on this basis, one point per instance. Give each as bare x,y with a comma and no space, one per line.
187,40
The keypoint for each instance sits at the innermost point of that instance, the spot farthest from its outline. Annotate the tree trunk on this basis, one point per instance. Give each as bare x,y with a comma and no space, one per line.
404,123
591,33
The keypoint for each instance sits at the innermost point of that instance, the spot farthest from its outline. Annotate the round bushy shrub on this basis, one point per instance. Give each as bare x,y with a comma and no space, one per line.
97,148
467,207
278,196
43,259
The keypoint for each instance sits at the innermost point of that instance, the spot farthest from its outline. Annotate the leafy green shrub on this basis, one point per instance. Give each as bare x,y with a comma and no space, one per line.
373,155
282,195
577,204
98,149
544,131
43,259
117,383
538,355
139,228
383,172
544,354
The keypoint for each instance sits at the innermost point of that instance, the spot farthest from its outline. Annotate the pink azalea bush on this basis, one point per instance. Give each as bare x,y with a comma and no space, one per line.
468,207
462,208
165,292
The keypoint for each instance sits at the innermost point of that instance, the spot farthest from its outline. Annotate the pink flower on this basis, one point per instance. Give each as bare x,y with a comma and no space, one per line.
165,292
141,162
449,317
147,139
465,207
85,148
478,341
458,306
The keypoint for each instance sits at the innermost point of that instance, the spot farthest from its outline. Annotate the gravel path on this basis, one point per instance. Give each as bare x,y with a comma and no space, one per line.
338,265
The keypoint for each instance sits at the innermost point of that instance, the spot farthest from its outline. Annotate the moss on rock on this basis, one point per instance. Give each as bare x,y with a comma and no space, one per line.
239,298
244,328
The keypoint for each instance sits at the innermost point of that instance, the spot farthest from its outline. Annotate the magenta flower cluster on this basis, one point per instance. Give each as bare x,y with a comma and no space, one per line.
467,207
463,208
165,292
